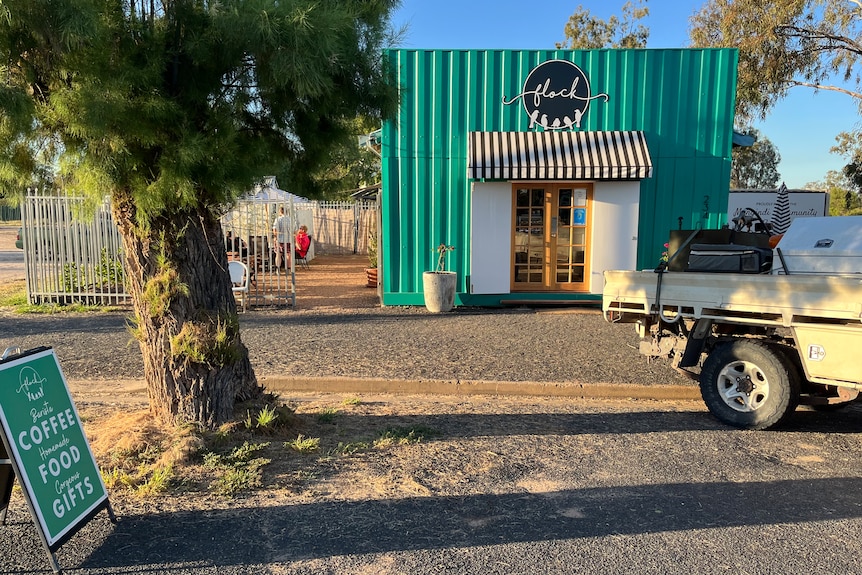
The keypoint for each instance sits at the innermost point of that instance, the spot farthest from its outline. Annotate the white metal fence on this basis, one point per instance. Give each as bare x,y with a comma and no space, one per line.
341,228
70,257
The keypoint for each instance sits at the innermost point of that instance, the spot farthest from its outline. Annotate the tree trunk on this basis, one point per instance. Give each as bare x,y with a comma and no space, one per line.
195,363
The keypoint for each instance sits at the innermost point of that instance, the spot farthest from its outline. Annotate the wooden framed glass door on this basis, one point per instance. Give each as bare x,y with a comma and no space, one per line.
550,231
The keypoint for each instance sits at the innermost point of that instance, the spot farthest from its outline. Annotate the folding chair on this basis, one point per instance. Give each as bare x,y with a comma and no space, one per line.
302,261
239,278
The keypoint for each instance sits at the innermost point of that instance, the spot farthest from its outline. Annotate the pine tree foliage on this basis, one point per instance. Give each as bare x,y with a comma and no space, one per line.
172,108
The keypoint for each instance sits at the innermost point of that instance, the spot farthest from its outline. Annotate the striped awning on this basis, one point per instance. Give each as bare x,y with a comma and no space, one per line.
612,155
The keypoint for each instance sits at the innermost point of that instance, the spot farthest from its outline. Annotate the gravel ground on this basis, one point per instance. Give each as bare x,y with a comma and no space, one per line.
338,330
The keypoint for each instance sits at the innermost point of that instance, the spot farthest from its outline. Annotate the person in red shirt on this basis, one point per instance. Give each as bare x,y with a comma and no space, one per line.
303,242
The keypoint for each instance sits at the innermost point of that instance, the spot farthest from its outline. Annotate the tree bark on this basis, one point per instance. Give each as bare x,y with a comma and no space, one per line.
186,322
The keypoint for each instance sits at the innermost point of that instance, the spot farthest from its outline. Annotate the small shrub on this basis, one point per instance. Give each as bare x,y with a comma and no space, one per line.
235,480
71,279
240,470
303,444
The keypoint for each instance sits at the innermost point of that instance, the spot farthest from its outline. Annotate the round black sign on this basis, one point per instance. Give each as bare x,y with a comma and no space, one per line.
556,95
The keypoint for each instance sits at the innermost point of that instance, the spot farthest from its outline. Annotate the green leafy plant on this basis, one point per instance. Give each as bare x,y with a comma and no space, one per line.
72,280
267,419
442,250
110,274
145,481
372,247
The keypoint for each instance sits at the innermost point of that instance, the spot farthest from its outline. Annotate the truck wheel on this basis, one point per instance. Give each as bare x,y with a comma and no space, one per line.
749,385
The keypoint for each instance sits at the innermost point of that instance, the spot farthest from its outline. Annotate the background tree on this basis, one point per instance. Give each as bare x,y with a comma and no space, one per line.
585,31
173,108
755,166
791,43
849,146
811,43
844,199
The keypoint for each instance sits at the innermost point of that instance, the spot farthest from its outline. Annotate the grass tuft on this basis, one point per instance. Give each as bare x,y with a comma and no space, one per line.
327,415
239,470
303,444
403,435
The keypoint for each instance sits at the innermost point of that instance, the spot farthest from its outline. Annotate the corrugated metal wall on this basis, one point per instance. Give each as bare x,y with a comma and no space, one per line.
683,100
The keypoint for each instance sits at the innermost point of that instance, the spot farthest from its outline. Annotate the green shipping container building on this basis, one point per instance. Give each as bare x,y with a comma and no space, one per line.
545,168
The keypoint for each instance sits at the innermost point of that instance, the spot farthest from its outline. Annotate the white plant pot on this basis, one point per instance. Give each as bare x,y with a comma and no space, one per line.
439,290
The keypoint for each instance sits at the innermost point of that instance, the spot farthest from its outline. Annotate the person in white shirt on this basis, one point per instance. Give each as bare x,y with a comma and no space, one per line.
281,235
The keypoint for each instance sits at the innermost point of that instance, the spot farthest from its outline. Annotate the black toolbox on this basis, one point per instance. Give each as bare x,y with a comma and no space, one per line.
729,258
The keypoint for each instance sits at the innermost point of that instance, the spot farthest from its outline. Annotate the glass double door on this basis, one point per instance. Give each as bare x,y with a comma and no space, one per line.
550,229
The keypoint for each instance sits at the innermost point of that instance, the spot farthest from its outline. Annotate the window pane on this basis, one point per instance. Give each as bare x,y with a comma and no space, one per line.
563,254
579,236
578,274
537,197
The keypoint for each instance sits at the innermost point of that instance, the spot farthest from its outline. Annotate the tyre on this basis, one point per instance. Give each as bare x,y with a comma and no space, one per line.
749,385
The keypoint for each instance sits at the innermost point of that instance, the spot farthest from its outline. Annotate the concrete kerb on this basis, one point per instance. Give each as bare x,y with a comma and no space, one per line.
137,389
283,385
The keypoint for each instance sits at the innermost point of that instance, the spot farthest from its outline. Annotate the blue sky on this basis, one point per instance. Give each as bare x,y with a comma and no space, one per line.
802,127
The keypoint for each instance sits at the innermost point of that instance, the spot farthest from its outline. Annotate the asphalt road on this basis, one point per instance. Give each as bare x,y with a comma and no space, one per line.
592,488
11,258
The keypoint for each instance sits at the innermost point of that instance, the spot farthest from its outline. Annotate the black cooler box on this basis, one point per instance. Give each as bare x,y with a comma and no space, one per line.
729,258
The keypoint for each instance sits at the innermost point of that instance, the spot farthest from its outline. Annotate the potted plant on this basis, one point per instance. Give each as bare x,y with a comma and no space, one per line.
371,270
439,286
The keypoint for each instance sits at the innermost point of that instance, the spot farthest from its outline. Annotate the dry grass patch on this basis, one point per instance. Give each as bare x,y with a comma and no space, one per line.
138,455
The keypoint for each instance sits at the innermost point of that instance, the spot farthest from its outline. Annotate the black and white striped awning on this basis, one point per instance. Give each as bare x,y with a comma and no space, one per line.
613,155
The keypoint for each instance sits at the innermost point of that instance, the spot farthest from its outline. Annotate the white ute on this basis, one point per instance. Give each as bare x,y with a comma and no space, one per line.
764,342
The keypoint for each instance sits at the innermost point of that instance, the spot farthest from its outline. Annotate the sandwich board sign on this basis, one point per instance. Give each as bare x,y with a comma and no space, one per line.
47,449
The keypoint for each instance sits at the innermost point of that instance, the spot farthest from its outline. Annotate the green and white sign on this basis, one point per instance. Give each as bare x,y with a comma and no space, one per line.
43,431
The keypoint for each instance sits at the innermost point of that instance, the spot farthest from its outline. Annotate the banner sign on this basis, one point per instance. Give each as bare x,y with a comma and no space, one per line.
802,203
42,431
